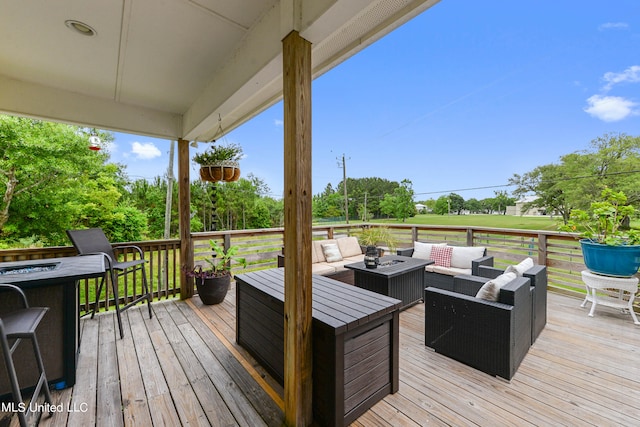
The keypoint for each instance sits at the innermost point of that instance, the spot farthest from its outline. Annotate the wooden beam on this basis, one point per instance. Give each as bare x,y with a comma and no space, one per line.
184,213
297,230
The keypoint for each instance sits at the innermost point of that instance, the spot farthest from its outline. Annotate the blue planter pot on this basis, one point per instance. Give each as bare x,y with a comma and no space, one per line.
622,261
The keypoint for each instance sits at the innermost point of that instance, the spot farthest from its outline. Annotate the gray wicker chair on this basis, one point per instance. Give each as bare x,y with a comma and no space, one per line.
93,241
493,337
16,326
538,277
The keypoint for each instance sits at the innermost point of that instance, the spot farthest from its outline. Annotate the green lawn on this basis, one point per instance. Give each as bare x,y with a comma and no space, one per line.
496,221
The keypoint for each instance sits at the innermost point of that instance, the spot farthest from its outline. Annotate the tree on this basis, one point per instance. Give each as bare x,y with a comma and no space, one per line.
372,190
240,205
400,204
613,161
500,202
441,206
456,203
47,173
328,204
150,198
546,183
473,205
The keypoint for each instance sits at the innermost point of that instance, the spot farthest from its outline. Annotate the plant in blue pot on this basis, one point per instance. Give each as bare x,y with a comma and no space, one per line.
609,245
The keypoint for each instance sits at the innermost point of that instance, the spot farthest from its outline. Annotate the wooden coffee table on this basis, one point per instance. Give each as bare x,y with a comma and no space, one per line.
396,276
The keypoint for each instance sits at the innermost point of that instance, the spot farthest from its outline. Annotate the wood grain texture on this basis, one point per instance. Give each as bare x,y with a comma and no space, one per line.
580,371
297,224
184,214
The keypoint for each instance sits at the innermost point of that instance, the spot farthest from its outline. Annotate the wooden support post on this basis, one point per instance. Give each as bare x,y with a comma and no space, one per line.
297,230
184,213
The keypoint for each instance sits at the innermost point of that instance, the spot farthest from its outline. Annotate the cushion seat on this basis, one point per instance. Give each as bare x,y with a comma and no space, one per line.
322,269
459,260
345,250
450,271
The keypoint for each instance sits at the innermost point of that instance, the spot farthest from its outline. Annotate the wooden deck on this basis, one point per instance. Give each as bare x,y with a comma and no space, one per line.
581,371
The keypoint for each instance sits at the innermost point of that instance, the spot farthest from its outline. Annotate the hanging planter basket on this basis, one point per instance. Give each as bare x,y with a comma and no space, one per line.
226,170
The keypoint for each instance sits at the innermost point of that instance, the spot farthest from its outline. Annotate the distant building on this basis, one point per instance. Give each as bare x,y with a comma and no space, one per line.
420,208
519,210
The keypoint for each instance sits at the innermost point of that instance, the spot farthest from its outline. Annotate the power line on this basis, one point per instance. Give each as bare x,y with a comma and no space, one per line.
550,181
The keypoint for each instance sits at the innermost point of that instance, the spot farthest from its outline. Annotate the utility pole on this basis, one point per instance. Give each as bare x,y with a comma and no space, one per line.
344,187
167,213
365,206
167,207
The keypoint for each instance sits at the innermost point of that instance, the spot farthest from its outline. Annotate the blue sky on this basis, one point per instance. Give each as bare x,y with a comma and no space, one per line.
460,98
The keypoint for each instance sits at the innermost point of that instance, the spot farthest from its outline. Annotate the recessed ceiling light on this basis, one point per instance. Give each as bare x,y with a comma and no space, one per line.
80,27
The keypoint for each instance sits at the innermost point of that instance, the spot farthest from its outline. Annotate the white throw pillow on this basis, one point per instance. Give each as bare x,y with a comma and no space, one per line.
490,290
331,252
521,268
423,250
462,256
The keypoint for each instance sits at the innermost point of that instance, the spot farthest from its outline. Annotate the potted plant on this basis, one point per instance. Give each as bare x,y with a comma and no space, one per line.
374,236
220,163
213,283
608,246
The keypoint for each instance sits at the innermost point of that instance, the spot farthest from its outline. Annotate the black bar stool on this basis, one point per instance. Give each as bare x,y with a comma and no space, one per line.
16,326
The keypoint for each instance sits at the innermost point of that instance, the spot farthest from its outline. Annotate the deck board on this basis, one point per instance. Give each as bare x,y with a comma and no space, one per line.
184,367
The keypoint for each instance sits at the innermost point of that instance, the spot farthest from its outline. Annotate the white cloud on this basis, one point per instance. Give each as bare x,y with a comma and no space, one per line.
610,108
630,75
278,122
613,26
145,151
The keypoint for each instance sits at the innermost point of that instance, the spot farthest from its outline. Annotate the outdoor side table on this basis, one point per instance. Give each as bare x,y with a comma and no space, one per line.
626,286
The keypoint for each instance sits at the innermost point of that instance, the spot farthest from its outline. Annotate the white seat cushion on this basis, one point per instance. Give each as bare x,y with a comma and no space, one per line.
322,268
356,258
449,271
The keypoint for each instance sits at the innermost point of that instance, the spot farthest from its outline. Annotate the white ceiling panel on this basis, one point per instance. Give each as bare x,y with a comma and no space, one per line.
169,68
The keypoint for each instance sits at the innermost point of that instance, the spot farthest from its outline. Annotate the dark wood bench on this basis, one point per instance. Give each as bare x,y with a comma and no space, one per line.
355,341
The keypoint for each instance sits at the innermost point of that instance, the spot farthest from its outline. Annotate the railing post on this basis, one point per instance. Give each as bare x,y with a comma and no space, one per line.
226,241
330,233
542,249
469,236
414,234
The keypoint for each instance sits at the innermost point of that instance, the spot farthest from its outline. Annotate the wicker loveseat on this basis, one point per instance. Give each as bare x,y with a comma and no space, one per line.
464,260
492,336
537,274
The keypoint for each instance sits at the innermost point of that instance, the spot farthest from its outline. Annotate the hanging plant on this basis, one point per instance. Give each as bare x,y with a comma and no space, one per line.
220,163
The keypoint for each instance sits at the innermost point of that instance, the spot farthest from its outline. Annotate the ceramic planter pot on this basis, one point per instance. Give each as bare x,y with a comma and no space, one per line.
621,261
213,290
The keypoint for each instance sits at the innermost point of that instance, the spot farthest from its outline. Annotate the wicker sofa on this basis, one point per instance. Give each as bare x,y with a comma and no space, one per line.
491,336
538,277
464,260
349,249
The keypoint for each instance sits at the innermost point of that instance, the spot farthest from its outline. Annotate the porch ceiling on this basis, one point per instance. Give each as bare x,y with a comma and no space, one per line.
168,68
